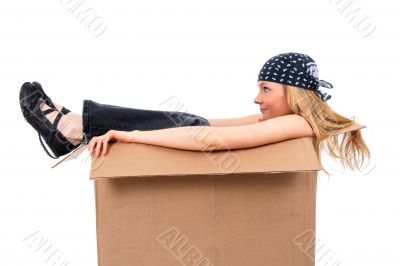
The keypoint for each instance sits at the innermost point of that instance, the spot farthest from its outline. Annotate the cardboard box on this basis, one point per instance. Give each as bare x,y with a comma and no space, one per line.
161,206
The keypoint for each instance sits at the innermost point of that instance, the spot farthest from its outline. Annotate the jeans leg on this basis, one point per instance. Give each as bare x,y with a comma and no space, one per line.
98,118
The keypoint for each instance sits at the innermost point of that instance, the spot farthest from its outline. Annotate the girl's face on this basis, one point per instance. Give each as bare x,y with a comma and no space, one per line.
272,100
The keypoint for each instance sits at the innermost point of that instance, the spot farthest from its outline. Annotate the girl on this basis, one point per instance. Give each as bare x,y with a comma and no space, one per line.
291,106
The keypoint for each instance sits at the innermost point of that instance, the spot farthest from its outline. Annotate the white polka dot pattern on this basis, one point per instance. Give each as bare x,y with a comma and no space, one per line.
295,69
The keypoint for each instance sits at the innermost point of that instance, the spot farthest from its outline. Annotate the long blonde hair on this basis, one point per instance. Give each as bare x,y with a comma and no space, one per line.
351,151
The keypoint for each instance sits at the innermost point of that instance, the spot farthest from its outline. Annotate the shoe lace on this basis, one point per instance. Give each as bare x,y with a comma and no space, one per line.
55,123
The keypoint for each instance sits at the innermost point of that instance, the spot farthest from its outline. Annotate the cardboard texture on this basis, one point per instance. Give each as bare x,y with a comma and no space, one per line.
161,206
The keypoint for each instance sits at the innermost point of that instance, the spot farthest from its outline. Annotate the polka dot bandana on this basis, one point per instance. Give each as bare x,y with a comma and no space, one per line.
297,70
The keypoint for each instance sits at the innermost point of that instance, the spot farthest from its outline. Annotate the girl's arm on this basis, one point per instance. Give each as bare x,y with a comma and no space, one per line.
207,138
239,121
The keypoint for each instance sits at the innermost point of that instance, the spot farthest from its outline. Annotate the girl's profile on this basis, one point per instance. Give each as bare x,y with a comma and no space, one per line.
289,97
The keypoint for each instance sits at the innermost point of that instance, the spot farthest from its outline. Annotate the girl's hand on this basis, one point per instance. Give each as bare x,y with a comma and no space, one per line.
99,144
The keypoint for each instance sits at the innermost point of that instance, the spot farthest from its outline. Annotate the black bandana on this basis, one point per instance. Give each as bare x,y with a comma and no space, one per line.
297,70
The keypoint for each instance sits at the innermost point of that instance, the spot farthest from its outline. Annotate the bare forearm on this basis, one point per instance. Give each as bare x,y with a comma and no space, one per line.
200,138
238,121
208,138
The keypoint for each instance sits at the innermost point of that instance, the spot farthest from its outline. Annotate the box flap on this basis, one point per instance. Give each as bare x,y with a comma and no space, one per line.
137,159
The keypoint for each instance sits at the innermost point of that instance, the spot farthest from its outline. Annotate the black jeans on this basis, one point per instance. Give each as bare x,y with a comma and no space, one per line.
99,118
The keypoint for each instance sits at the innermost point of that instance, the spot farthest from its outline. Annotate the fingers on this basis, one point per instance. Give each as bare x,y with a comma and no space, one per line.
92,145
98,147
105,144
99,144
95,145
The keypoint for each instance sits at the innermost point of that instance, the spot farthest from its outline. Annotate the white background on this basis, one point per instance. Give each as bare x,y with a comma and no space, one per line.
207,54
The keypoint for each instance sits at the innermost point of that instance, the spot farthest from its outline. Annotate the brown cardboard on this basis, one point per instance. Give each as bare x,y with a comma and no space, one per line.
161,206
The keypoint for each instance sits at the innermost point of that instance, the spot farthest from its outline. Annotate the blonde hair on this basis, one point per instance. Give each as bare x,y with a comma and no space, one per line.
351,151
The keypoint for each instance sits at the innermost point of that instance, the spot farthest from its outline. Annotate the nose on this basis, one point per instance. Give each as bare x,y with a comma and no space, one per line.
256,100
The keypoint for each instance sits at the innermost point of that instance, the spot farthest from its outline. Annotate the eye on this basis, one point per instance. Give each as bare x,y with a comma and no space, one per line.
265,88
